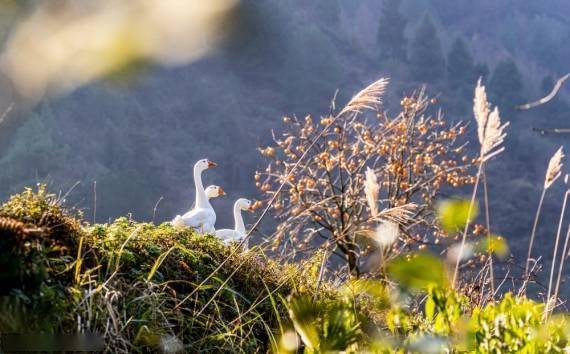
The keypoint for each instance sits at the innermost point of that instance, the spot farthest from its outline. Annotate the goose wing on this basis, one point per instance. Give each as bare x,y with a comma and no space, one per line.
228,236
200,218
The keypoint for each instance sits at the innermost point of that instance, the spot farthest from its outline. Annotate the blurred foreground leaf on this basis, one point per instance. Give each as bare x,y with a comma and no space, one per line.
454,213
420,271
495,244
303,313
372,288
324,327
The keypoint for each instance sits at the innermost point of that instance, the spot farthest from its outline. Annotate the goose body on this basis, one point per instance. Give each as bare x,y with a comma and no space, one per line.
211,192
239,232
202,217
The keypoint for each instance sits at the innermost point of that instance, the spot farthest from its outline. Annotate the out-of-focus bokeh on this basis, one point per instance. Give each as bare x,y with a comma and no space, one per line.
61,45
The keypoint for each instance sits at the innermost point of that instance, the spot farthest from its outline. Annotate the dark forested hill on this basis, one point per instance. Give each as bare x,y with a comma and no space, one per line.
139,138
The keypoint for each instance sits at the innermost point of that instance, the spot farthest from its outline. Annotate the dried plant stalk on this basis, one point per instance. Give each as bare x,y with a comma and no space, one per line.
552,174
491,134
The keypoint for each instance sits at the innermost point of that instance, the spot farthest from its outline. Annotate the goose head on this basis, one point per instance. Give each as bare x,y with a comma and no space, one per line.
214,191
244,204
204,164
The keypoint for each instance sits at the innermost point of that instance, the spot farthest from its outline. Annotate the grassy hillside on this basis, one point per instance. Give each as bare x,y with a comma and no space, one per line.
140,284
148,288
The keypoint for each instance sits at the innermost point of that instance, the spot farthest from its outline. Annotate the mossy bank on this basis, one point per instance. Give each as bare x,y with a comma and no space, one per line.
145,287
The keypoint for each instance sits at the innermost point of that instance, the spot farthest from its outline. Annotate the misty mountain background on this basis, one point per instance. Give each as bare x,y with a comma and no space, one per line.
138,133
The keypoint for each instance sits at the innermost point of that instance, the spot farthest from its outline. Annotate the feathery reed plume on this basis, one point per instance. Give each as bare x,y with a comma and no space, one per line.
491,134
481,110
489,129
371,190
554,167
368,98
402,214
552,174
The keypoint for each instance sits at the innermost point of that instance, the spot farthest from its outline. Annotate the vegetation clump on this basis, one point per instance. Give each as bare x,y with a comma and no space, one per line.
142,286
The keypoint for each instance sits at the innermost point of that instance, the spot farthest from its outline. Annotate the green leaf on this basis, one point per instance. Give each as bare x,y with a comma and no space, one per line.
496,244
418,271
454,214
430,308
303,313
375,289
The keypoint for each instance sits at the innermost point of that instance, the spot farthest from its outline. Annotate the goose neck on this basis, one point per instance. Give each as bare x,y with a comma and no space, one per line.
240,226
201,198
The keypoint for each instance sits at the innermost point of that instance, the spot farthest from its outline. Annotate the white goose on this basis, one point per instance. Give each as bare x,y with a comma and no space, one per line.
239,232
212,191
203,217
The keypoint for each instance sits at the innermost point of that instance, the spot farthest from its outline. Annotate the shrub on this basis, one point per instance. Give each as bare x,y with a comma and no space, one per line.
323,163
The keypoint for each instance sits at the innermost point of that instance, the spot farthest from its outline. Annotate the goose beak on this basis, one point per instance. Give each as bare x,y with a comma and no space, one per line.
211,164
221,191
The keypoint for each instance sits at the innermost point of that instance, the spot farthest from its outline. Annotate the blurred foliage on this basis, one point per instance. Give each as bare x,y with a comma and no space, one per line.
443,321
422,314
418,271
517,325
455,213
494,244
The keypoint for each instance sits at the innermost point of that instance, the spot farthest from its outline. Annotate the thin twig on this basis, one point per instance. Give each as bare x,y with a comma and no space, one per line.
488,224
533,233
555,254
467,222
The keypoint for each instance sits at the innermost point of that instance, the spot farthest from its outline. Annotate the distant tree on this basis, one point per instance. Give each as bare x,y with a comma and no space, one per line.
460,68
426,60
506,85
391,39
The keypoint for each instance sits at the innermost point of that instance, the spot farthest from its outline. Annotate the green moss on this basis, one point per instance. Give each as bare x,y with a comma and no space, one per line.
140,283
